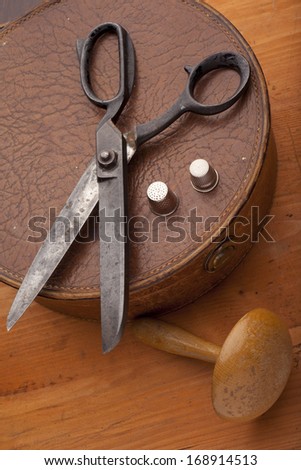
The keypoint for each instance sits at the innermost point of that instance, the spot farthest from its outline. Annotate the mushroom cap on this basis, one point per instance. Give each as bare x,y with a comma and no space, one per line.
253,366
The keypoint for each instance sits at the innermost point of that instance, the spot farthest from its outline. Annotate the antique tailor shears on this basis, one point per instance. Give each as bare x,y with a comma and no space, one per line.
105,180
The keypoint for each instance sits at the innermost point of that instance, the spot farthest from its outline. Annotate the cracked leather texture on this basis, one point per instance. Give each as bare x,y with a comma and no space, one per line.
47,130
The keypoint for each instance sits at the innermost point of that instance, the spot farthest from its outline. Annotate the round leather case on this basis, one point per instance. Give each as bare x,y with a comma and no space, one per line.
48,128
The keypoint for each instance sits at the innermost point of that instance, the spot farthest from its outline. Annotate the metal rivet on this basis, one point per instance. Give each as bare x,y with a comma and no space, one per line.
161,199
204,178
220,257
107,158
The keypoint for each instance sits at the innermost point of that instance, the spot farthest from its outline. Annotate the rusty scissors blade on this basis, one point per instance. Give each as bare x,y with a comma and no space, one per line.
111,166
92,186
105,180
82,200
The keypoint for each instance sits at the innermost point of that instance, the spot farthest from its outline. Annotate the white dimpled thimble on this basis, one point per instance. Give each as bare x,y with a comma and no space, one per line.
204,178
161,199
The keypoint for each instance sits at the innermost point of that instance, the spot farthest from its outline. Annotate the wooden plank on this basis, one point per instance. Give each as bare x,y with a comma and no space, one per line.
58,392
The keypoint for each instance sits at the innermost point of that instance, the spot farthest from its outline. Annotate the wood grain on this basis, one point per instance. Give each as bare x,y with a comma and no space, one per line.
58,392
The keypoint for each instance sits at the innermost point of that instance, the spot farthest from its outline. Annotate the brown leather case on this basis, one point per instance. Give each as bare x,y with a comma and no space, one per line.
47,131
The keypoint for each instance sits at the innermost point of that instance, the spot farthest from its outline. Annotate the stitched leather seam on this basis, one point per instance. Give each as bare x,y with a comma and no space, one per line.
188,251
27,16
18,276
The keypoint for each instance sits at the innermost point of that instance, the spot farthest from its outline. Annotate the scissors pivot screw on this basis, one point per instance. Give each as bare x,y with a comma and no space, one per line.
203,177
161,199
107,158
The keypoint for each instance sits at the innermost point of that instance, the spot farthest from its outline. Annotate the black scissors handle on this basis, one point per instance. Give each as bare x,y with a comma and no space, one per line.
186,101
115,105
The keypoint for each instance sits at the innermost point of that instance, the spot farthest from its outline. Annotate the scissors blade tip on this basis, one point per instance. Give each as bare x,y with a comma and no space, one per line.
10,322
108,346
19,306
110,341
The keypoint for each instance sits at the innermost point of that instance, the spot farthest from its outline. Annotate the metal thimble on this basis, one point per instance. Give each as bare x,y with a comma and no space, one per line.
161,199
203,176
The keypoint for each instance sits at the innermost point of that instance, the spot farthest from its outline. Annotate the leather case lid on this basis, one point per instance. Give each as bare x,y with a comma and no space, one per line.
47,130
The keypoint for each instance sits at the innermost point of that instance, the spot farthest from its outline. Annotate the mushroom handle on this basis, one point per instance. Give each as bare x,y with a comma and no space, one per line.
175,340
251,368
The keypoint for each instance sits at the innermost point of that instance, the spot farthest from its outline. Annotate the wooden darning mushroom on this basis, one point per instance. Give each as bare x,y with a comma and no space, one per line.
251,368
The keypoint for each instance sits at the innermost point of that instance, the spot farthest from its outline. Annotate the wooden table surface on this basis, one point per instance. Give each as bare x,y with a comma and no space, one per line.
56,389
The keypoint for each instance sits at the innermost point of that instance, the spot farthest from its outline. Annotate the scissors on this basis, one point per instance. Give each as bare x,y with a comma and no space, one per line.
105,179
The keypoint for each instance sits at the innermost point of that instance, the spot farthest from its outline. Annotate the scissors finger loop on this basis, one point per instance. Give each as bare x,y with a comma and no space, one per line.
114,105
186,102
216,61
